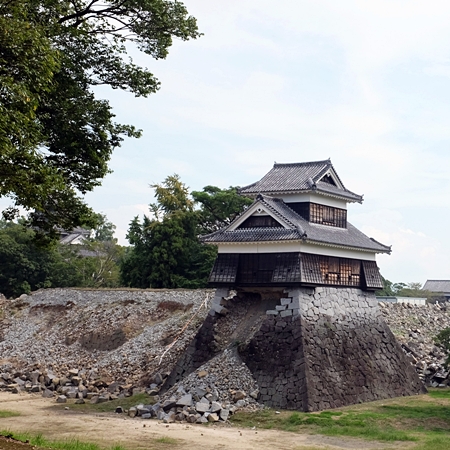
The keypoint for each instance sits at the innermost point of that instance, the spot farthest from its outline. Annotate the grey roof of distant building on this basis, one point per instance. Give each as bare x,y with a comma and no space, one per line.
68,237
437,286
300,177
300,229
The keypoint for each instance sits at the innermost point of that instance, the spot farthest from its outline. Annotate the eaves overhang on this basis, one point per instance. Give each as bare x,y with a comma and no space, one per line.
349,198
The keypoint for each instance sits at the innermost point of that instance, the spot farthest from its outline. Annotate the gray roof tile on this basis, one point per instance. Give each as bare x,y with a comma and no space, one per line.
297,177
300,229
437,286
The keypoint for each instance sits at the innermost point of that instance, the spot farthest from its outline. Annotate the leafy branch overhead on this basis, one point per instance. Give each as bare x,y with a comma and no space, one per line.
56,137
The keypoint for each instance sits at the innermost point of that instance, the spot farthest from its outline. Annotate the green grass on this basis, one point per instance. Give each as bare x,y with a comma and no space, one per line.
439,393
4,414
423,420
166,440
111,406
41,442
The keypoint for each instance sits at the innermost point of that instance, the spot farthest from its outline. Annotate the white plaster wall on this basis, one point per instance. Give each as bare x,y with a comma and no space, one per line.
314,198
297,246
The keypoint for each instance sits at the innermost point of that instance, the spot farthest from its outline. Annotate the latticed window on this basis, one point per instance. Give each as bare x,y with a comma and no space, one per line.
268,268
225,269
265,269
318,269
327,215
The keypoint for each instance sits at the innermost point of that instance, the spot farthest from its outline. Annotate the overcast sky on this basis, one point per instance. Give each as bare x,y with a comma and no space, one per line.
365,83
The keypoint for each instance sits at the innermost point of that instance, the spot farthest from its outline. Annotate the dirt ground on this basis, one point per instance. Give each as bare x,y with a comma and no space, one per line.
40,415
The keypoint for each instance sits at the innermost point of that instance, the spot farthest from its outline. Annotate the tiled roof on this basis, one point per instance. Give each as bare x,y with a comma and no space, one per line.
437,286
253,235
300,229
298,177
75,236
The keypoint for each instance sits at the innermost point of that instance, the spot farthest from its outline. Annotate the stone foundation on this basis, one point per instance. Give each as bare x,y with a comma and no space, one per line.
312,349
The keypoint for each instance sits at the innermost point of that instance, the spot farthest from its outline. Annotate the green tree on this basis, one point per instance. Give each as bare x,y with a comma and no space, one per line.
104,230
56,138
411,289
219,207
387,290
98,264
166,251
26,266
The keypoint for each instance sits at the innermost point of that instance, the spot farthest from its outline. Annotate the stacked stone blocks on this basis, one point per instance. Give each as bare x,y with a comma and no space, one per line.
316,349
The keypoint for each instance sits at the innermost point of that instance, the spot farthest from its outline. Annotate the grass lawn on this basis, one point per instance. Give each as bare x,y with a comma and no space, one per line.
4,414
424,420
421,422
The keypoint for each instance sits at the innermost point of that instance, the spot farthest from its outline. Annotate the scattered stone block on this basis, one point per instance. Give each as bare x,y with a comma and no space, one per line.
47,393
202,407
185,400
239,395
224,413
213,417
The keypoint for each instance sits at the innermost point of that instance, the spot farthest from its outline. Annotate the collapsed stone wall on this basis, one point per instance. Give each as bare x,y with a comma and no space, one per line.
312,349
304,349
415,328
224,327
117,334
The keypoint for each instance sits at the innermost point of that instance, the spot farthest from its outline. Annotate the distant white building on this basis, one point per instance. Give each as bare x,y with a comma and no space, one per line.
410,300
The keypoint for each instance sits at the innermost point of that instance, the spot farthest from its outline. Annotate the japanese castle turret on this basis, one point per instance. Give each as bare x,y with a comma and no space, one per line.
295,297
296,233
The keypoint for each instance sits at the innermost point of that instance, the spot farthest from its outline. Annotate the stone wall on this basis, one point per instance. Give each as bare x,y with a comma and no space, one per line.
326,348
312,349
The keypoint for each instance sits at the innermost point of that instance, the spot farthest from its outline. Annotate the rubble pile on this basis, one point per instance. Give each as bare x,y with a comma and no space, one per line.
210,394
99,345
415,327
75,384
124,335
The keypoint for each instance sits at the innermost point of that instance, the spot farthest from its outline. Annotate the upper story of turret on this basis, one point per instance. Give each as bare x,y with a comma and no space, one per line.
296,232
312,189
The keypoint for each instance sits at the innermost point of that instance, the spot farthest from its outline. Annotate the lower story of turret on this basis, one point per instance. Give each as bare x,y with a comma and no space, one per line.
293,269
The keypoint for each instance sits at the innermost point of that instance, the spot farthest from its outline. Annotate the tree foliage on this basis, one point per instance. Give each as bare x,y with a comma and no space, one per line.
219,207
411,289
56,138
26,265
166,251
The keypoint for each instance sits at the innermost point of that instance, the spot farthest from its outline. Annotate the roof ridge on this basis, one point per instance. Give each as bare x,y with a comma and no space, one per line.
263,199
262,228
306,163
296,226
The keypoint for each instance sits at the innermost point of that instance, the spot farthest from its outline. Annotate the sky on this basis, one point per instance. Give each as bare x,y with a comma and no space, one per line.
365,83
